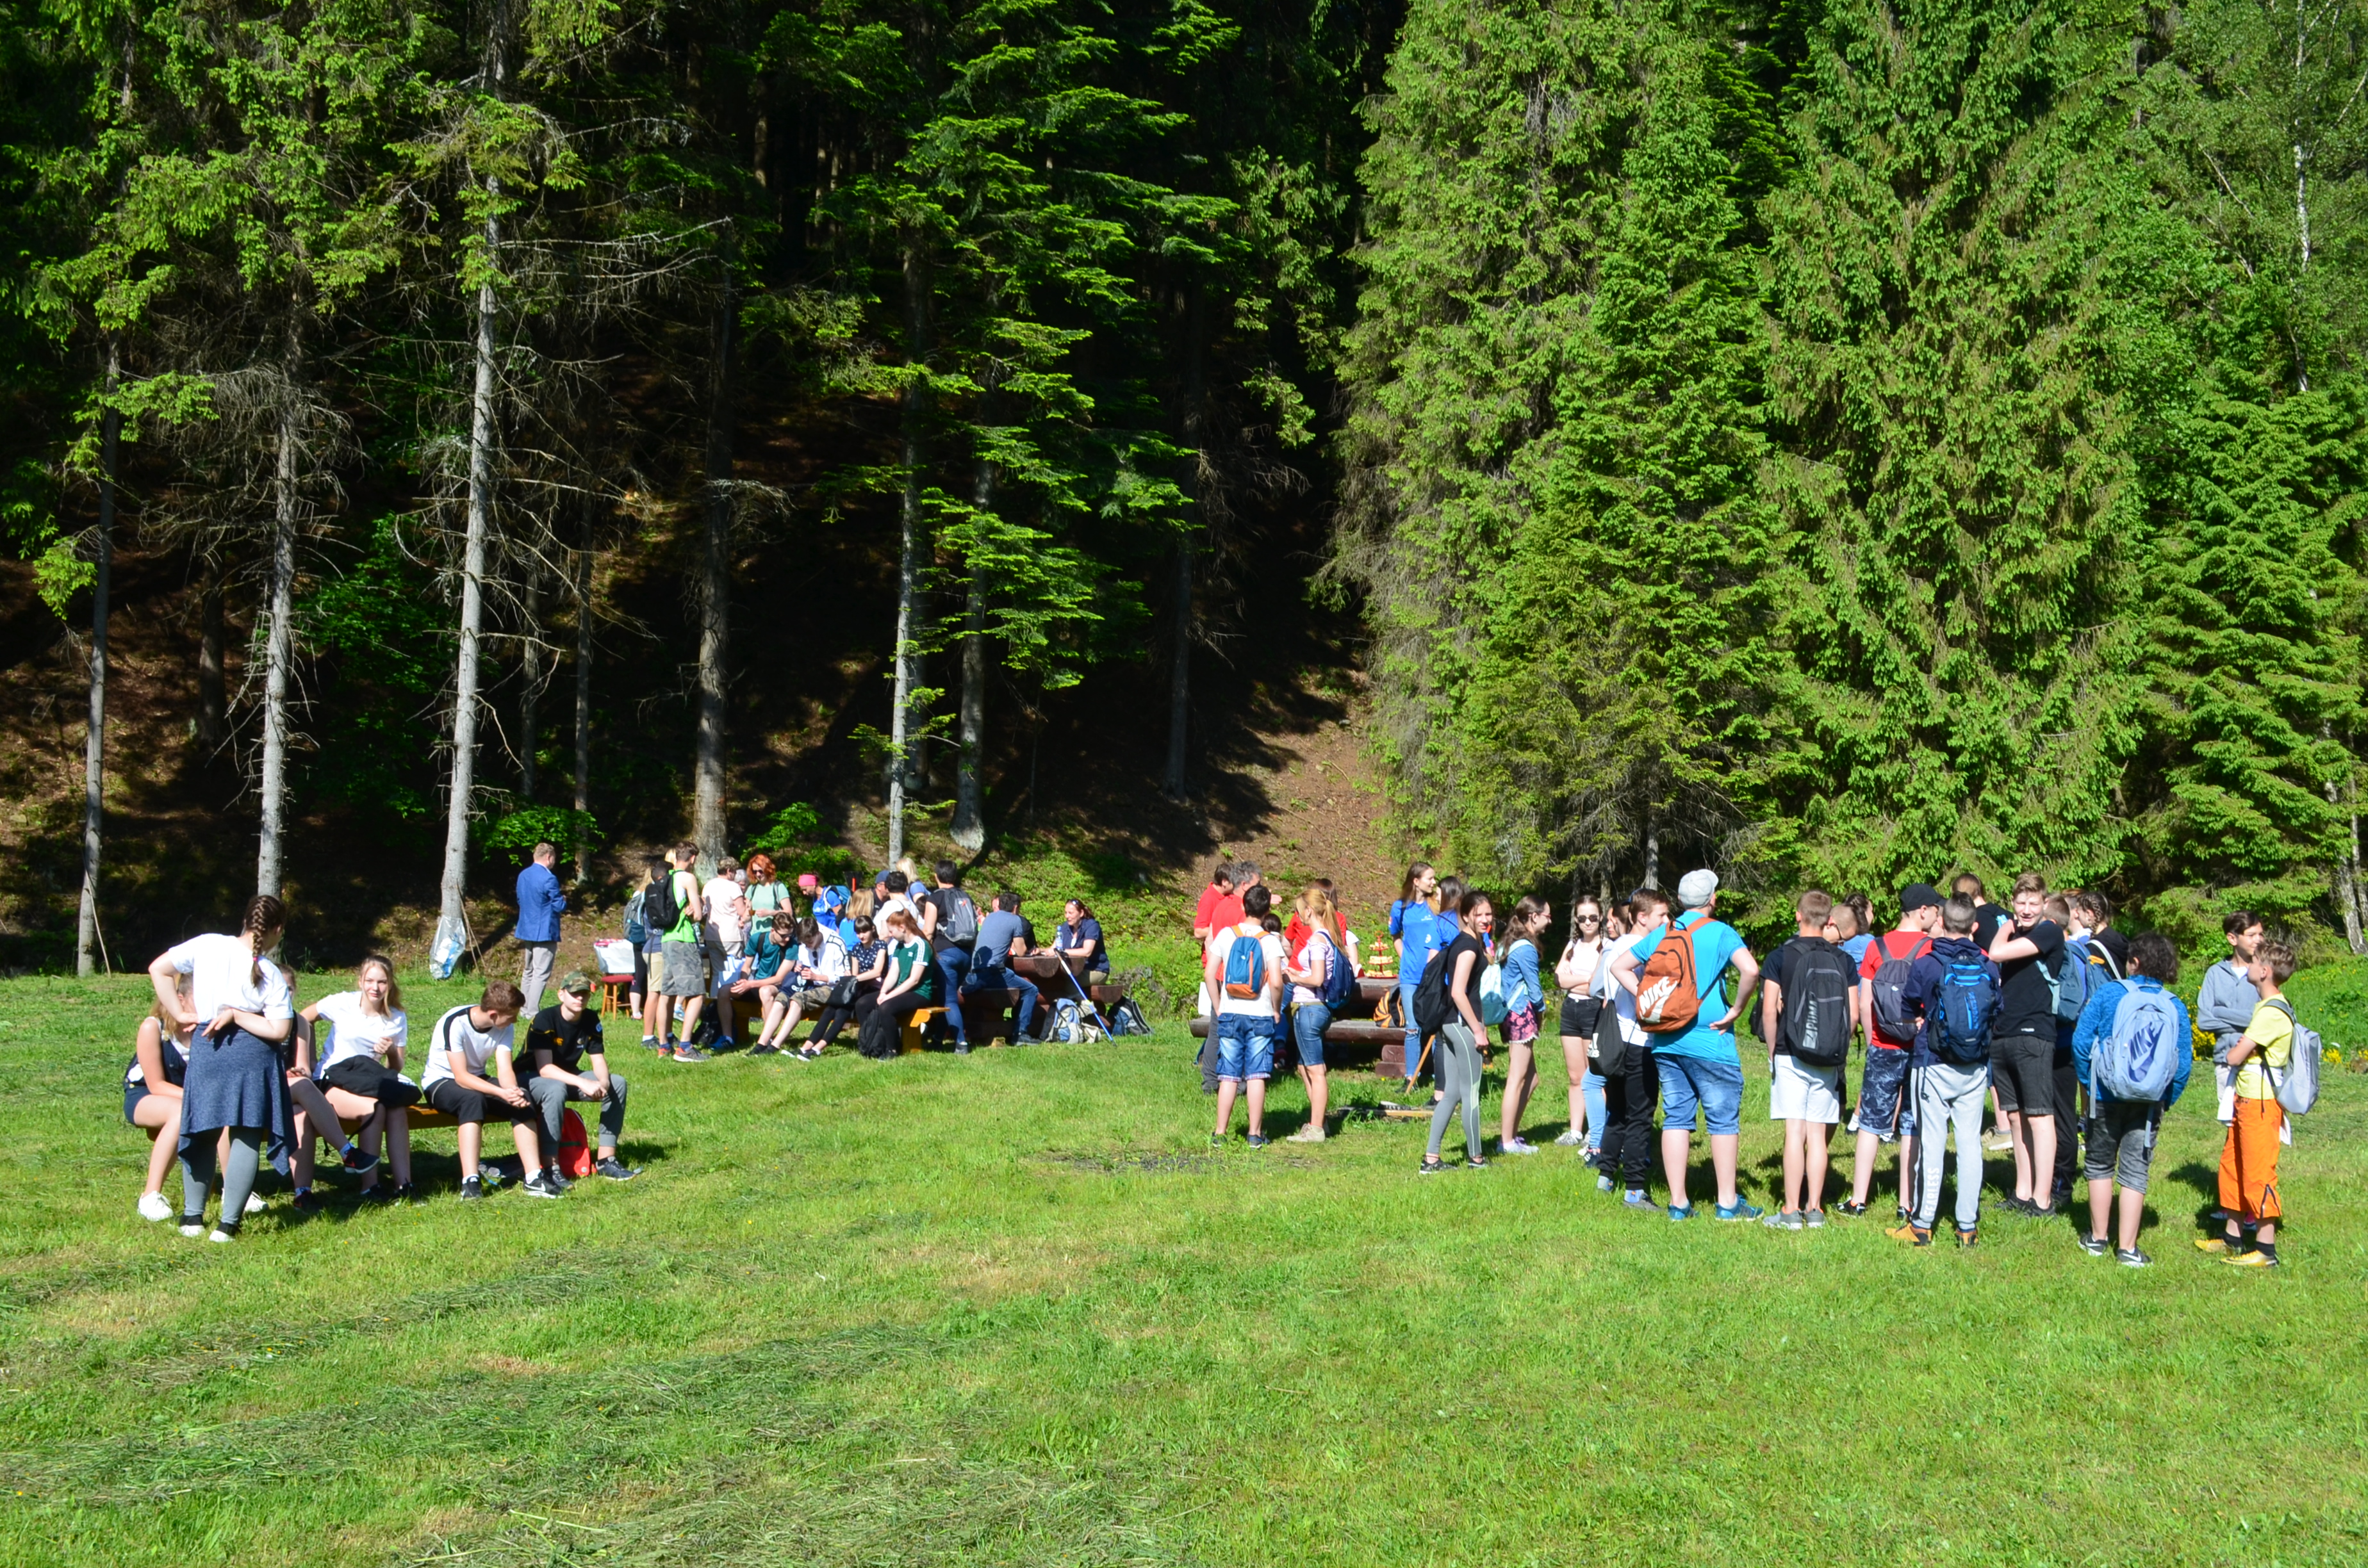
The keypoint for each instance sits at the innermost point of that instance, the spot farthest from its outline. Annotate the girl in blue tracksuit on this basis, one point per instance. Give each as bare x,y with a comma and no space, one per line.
1410,921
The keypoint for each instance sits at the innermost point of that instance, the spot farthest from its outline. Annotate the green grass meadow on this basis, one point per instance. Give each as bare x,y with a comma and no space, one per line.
1012,1309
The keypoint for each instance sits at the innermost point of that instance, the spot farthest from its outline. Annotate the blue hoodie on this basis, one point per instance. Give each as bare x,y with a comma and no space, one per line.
2097,1021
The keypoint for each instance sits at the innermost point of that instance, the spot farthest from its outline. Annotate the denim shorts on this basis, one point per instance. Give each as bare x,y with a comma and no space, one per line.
1245,1047
1307,1022
1691,1080
1885,1107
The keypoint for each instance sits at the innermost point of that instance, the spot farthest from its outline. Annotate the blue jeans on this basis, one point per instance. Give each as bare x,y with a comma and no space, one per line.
1245,1047
1590,1089
1406,1001
1688,1081
1307,1024
952,964
995,977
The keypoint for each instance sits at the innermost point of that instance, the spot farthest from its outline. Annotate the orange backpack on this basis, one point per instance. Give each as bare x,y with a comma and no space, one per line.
1669,999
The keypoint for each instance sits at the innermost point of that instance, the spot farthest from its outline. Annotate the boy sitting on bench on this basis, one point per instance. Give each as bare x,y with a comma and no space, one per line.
464,1041
551,1066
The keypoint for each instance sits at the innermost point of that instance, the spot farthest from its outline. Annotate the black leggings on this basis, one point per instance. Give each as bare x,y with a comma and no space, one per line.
830,1020
880,1030
1629,1101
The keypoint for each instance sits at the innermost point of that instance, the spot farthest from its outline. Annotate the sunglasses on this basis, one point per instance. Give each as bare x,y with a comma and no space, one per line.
1590,920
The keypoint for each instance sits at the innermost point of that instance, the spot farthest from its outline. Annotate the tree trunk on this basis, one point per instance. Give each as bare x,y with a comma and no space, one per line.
453,919
1652,850
532,675
211,698
970,817
584,701
1194,432
908,555
94,760
2347,876
278,646
716,593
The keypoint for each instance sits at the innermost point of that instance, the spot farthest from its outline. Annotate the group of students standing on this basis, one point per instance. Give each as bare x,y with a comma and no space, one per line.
228,1074
871,958
2044,1010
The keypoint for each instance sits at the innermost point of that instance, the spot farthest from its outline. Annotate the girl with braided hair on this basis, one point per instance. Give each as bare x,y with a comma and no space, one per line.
239,1012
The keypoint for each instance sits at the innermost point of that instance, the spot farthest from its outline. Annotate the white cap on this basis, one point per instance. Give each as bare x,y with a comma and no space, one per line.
1697,888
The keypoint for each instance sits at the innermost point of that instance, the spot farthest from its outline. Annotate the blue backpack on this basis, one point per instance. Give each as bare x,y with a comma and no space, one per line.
1245,968
1339,980
1960,1033
2134,1059
2070,983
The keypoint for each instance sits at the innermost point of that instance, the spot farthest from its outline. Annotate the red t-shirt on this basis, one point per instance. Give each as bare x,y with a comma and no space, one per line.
1210,896
1907,945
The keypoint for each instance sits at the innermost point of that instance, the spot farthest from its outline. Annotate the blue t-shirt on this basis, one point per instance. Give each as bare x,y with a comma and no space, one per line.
1423,934
1715,942
1856,948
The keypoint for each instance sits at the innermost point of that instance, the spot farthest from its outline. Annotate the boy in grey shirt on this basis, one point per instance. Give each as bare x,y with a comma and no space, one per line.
2225,1004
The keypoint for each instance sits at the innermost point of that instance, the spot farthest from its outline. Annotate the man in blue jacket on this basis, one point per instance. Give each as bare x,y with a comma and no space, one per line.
540,903
2122,1132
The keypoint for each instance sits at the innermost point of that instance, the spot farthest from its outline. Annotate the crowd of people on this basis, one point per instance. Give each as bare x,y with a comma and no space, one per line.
871,957
2044,1012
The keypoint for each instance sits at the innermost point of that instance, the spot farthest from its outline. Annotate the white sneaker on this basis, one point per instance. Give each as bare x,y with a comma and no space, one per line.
194,1231
1571,1140
1516,1146
221,1235
1311,1133
254,1204
154,1209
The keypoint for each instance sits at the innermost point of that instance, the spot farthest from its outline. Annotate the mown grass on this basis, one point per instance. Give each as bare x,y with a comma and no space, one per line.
1011,1309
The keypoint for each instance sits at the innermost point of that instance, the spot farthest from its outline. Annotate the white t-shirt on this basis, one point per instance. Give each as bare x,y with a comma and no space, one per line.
829,956
220,970
723,895
355,1032
1591,954
1220,943
476,1046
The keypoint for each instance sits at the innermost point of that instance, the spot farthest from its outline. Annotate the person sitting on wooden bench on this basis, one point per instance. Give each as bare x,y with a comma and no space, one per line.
359,1069
990,966
903,986
464,1040
550,1065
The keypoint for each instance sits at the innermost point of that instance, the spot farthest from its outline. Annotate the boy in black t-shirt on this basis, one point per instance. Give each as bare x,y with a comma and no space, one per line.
2027,949
551,1064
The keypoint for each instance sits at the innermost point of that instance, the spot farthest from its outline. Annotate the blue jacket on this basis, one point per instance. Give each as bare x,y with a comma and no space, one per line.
2097,1020
540,903
1521,976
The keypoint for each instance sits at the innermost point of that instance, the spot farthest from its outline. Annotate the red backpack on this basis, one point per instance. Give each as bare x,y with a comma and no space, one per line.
575,1155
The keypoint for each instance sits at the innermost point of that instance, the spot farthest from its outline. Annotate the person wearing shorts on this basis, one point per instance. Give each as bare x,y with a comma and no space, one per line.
1244,1026
1806,1098
2028,950
1699,1066
2121,1138
1886,1110
682,960
465,1042
1309,971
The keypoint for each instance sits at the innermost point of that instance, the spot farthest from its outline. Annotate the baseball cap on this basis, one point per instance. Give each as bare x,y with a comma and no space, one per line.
576,983
1919,895
1697,888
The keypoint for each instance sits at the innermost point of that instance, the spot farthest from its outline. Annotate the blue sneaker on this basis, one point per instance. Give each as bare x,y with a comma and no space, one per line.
1637,1199
1681,1213
1741,1210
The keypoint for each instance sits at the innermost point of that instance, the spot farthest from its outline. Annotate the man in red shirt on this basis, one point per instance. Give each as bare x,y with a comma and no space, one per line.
1205,918
1886,1112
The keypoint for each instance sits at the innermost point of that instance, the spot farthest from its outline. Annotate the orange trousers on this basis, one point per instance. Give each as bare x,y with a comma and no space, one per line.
2249,1161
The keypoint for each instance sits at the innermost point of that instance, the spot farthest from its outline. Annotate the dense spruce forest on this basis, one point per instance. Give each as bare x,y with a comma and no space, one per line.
1830,440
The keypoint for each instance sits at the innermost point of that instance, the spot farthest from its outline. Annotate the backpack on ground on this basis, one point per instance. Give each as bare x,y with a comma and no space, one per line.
1246,967
1340,980
1668,995
660,910
1818,986
2297,1083
2070,983
1960,1033
637,930
2134,1060
1126,1018
1492,994
957,917
575,1155
1431,1004
1891,978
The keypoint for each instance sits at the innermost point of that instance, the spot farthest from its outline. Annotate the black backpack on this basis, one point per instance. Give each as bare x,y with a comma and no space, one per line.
660,911
1431,1006
1819,984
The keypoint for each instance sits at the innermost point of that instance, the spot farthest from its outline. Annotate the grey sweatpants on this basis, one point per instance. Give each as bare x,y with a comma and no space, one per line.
1950,1098
534,975
550,1097
1457,1057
